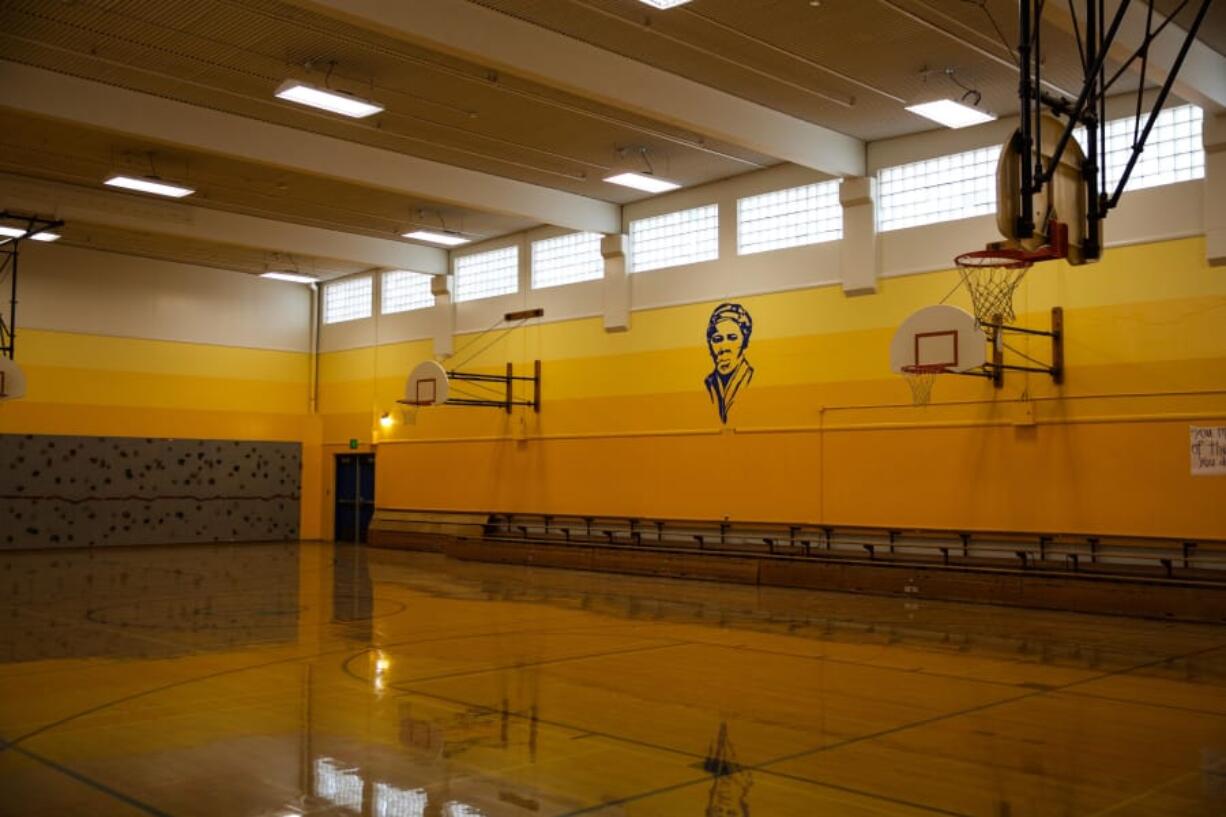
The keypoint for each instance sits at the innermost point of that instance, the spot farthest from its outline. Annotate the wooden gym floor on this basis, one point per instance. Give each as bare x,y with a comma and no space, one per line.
283,679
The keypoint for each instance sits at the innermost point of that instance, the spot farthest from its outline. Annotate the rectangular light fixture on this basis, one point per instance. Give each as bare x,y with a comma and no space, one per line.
303,93
641,181
155,186
292,277
951,114
434,237
665,4
17,232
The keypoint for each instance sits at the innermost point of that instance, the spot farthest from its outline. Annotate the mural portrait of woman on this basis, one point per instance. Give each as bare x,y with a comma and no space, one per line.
728,332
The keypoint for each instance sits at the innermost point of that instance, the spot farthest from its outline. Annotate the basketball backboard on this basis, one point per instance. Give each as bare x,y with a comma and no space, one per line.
1059,204
12,380
427,385
939,335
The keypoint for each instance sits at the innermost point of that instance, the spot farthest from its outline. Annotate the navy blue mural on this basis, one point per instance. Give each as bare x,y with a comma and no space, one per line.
728,332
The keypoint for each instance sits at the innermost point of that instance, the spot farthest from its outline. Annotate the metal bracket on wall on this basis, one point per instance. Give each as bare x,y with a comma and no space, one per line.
996,336
508,380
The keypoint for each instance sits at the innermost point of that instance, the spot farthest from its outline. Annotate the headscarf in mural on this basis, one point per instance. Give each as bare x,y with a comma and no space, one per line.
728,332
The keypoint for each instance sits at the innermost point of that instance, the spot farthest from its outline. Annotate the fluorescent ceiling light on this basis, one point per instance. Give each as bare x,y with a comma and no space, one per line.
18,232
292,277
641,181
665,4
155,186
446,239
951,114
340,102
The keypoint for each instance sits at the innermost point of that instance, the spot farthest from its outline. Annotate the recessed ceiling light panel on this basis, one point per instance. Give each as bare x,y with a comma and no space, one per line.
303,93
155,186
665,4
45,236
641,181
292,277
951,114
446,239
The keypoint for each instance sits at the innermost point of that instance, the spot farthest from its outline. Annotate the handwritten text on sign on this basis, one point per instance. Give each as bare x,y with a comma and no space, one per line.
1208,450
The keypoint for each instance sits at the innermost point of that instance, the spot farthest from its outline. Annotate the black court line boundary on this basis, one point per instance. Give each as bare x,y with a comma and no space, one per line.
86,780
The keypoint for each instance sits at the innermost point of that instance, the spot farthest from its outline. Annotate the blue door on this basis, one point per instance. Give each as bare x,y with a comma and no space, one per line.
355,496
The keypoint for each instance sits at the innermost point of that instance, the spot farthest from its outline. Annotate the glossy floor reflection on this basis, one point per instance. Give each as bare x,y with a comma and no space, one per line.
283,680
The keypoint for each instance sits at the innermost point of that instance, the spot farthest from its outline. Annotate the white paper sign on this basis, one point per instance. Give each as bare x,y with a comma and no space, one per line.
1208,450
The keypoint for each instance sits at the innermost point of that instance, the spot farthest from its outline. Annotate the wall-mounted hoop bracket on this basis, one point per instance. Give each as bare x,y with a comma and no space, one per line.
508,381
430,385
997,329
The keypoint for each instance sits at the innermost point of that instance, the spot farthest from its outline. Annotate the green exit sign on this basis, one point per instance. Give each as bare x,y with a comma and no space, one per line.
353,444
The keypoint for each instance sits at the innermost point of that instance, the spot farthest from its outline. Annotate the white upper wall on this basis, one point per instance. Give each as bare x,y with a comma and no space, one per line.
67,289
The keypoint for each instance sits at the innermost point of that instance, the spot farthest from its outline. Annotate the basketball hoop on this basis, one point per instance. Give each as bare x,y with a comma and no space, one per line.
921,377
991,277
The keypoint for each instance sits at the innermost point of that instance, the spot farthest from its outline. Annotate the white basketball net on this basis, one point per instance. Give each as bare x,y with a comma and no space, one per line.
921,380
991,282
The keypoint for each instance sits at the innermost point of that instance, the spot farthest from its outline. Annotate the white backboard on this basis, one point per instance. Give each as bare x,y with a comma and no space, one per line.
939,334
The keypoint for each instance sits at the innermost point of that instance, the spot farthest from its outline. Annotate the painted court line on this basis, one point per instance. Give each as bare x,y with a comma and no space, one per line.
86,780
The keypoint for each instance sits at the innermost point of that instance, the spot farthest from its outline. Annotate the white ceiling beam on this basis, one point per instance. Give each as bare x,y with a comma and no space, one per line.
47,93
1201,80
103,208
490,38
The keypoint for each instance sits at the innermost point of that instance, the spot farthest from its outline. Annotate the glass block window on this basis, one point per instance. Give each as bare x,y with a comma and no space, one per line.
1174,152
404,291
393,802
455,809
567,259
337,784
789,218
486,274
672,239
946,188
348,300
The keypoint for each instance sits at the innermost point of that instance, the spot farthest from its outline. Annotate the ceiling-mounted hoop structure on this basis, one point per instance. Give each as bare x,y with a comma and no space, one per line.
1047,121
10,254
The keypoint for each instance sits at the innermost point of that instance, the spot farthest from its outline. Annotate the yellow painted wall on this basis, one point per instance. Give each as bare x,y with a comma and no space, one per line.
83,384
825,433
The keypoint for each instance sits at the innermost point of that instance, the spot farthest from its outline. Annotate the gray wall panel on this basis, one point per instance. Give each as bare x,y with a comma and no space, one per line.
93,491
